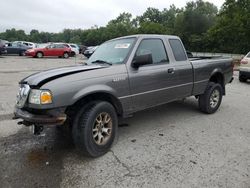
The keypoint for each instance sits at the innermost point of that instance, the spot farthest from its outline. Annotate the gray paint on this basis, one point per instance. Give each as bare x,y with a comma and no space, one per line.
16,49
136,89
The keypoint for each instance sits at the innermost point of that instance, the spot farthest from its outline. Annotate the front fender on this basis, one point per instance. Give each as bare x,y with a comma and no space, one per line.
93,89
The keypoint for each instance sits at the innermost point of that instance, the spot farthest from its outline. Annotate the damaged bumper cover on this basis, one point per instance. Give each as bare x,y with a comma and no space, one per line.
50,117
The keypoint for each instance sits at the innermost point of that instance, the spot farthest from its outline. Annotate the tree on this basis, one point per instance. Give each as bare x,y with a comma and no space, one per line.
34,36
231,31
198,24
194,22
13,35
169,17
151,15
151,28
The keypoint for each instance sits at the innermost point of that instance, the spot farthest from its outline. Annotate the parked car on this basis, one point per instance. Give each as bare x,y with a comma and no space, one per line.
89,51
123,76
2,47
189,54
59,50
15,48
29,44
82,48
74,49
42,45
244,72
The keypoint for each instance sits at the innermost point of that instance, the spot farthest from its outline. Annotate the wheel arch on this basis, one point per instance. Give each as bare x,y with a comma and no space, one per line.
95,96
218,77
39,52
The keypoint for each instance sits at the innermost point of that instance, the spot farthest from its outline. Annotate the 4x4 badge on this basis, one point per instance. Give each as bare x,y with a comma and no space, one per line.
118,79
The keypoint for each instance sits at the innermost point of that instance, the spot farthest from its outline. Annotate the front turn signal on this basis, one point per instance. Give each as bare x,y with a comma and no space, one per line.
46,97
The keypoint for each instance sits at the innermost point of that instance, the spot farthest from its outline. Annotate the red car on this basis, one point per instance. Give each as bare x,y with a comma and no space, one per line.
59,50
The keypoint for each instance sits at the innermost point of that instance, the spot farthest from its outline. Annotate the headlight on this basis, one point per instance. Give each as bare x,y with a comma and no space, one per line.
40,97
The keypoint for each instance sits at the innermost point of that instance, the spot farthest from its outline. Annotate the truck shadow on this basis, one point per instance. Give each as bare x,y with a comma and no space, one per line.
161,116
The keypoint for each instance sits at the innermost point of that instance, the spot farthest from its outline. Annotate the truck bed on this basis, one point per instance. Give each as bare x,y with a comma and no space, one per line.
203,68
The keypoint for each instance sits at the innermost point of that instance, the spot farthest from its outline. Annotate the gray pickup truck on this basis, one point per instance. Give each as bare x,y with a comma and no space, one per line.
123,76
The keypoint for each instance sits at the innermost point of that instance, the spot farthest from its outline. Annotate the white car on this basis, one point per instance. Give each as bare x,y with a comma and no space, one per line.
244,72
74,49
29,44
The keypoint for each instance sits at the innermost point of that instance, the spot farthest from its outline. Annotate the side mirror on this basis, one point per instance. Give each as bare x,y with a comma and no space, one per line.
142,60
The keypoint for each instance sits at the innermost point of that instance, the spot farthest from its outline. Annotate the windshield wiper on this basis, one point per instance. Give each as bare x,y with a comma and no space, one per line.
101,62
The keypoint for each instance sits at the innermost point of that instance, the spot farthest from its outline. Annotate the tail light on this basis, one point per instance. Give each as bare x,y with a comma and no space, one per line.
244,62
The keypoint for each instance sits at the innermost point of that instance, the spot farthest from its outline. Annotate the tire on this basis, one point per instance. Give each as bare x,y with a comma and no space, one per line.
66,55
210,101
22,53
72,54
242,78
39,54
94,128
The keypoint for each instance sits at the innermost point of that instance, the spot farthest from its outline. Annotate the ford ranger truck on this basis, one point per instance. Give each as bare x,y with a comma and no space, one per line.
124,75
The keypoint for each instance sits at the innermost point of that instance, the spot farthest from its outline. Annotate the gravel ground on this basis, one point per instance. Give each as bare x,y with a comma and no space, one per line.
170,146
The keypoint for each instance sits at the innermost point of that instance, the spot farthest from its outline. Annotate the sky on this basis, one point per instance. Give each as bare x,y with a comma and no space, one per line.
56,15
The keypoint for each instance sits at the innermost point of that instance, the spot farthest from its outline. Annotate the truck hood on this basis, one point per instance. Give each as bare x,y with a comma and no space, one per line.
40,78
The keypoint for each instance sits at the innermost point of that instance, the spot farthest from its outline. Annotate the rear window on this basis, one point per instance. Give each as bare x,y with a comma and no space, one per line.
178,50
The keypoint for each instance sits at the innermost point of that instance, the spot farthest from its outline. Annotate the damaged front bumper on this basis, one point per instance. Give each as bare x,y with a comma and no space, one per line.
49,117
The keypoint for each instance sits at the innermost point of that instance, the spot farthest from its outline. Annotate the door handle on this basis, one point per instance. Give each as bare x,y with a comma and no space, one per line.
171,70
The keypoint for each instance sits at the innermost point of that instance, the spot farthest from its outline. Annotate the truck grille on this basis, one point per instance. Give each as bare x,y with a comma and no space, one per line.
22,95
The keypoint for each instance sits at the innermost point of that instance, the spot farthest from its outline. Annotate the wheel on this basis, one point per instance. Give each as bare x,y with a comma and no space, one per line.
66,55
22,53
73,54
242,78
210,101
94,128
39,54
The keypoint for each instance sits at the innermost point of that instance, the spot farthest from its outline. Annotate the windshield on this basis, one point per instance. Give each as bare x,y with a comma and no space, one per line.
114,51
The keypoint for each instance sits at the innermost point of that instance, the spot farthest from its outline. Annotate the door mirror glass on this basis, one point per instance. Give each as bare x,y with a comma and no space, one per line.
142,60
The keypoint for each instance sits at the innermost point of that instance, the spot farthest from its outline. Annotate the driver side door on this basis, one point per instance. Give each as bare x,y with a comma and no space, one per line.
151,84
48,51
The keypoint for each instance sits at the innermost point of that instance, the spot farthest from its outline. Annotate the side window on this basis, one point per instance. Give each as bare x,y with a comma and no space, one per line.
178,50
155,47
59,46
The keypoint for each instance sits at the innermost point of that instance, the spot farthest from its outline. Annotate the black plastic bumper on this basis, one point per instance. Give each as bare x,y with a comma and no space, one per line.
55,117
245,74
